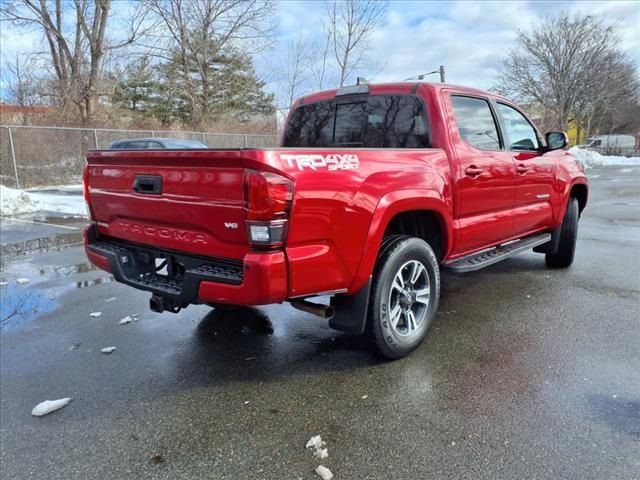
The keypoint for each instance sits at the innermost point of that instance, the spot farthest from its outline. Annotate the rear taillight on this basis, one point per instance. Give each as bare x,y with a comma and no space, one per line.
268,198
85,183
85,190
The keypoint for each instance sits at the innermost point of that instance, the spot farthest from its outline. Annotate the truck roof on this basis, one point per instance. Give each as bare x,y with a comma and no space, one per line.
396,87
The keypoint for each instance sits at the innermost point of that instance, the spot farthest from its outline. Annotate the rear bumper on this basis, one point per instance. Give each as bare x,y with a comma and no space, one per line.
258,279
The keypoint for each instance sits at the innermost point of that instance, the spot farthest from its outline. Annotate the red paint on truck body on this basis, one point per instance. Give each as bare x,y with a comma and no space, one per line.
343,200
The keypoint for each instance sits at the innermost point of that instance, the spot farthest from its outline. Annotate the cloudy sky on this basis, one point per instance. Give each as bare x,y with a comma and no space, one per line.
468,37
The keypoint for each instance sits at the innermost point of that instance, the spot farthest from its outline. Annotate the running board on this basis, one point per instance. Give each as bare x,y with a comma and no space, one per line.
479,260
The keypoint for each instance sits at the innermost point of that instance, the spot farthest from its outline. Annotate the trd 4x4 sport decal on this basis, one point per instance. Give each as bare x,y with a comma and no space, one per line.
333,161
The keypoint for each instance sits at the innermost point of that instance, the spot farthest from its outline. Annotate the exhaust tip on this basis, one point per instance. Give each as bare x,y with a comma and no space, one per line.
324,311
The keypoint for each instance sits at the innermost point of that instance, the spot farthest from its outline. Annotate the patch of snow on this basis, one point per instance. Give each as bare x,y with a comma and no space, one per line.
324,473
15,202
95,314
61,203
111,299
22,281
594,159
363,397
4,284
315,442
321,453
49,406
125,320
108,349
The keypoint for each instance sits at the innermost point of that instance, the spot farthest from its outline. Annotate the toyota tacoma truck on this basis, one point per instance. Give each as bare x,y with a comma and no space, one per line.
374,189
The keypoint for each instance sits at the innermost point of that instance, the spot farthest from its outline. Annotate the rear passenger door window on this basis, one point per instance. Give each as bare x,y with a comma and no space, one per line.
520,133
476,123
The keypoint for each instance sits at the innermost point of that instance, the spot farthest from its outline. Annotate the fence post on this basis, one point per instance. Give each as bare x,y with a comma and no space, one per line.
13,157
95,138
153,134
246,141
204,138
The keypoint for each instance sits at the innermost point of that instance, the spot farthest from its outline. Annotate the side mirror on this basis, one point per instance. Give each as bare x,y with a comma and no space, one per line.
556,140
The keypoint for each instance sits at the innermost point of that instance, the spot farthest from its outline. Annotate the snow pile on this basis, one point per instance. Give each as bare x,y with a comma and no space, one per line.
316,443
15,202
594,159
108,350
49,406
128,319
324,473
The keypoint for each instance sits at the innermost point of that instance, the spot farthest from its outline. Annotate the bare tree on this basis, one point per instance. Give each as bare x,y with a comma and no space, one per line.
566,66
21,82
295,68
321,57
350,25
76,37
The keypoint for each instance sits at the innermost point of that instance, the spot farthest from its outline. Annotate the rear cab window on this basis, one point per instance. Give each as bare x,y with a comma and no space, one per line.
372,121
476,123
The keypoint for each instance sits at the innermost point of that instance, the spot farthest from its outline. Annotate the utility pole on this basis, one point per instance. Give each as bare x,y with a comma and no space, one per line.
422,75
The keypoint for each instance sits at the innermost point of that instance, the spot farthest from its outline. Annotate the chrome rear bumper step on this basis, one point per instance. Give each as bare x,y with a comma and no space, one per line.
483,259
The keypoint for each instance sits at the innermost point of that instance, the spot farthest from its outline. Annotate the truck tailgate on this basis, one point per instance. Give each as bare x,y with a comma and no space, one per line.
191,201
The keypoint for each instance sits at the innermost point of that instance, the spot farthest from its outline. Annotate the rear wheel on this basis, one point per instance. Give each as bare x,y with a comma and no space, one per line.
568,236
404,296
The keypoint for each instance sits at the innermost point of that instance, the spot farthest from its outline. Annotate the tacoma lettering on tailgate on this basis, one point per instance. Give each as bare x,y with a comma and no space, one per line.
164,232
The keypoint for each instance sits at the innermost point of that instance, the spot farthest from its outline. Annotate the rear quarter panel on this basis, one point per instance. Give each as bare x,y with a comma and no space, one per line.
332,226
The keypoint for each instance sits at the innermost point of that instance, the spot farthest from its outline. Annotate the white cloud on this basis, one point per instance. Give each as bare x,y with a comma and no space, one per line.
468,38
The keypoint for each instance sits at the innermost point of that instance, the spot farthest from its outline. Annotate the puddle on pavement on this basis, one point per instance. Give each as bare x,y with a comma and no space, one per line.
22,303
234,322
93,283
68,270
619,413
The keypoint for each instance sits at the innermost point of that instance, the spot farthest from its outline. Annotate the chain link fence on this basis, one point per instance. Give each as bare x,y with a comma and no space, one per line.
48,156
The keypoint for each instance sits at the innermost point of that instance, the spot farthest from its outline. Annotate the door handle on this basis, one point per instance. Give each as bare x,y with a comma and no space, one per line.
472,171
522,168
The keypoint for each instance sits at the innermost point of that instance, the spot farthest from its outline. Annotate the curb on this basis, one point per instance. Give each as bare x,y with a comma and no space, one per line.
53,242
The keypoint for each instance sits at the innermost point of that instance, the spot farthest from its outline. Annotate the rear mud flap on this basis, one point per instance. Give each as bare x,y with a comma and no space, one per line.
552,245
351,311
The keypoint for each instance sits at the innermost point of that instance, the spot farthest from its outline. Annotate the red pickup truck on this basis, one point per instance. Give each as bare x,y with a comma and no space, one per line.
374,189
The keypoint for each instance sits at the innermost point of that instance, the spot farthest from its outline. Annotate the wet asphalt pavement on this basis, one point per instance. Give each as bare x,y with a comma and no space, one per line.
527,373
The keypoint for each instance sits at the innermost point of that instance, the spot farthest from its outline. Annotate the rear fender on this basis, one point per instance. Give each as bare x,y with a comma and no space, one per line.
388,207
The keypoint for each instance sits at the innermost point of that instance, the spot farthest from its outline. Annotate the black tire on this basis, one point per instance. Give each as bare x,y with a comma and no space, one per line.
563,258
400,256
